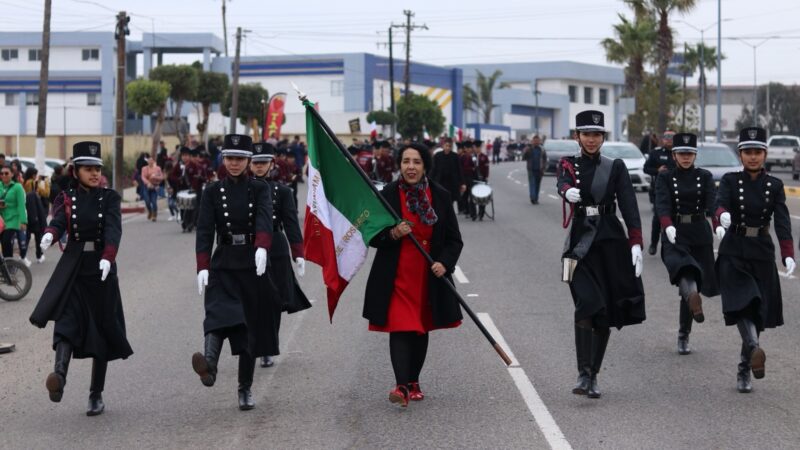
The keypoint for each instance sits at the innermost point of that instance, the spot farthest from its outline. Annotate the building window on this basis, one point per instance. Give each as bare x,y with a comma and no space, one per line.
573,94
11,99
337,88
32,99
587,95
603,96
9,54
34,54
93,99
91,54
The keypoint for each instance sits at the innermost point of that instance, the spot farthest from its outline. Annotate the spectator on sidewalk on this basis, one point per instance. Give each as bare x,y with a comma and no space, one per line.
536,162
15,216
152,177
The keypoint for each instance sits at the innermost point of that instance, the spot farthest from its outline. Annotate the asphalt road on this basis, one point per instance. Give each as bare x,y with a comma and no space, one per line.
329,387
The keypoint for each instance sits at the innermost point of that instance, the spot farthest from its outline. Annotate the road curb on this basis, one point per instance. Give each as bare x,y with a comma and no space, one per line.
791,191
140,209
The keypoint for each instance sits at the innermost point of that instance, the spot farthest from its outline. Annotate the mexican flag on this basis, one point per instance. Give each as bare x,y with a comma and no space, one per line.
343,212
425,134
455,133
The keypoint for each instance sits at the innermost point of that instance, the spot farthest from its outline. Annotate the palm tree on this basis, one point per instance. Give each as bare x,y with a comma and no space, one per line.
702,58
482,99
661,9
633,46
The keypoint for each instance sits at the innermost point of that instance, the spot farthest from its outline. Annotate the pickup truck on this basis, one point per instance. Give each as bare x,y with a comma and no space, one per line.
781,150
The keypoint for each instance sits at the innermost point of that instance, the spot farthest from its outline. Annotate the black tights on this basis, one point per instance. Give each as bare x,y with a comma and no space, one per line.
408,350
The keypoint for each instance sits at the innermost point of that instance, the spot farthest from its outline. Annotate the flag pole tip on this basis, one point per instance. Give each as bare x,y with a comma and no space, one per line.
301,95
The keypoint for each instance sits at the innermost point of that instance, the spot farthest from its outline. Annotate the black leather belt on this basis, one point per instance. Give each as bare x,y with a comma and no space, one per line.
595,210
688,218
746,231
234,239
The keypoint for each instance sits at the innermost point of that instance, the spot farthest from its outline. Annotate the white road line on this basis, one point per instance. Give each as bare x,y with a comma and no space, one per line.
472,295
552,196
796,217
536,406
460,277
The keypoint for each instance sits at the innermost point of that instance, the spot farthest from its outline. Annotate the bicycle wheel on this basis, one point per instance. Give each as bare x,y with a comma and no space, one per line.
19,283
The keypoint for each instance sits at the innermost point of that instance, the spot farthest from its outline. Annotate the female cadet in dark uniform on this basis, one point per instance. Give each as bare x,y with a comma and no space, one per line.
602,264
287,235
238,210
748,277
685,195
82,296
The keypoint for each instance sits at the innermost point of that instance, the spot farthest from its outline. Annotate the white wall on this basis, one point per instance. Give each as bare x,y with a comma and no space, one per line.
61,58
72,107
317,87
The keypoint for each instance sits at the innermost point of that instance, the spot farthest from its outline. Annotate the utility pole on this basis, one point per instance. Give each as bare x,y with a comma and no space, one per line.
225,28
408,26
235,83
119,130
719,70
44,71
683,110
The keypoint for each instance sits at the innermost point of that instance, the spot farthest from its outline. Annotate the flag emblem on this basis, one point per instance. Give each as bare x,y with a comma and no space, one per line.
93,149
686,139
752,133
596,118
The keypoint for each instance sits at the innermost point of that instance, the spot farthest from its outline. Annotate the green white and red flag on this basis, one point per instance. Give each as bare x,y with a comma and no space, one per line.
343,212
455,133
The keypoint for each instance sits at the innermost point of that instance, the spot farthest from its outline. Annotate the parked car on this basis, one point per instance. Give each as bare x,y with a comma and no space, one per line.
633,159
781,150
557,149
718,159
50,164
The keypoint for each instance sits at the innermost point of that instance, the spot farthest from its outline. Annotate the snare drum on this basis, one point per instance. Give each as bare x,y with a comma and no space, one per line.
186,199
481,194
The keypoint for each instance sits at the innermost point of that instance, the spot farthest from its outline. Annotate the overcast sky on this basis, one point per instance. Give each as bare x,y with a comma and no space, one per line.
573,28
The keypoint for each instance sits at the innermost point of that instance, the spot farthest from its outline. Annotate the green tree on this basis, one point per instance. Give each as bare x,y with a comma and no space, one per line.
148,97
250,107
416,111
784,110
481,98
661,11
701,58
651,103
183,80
632,45
382,117
211,89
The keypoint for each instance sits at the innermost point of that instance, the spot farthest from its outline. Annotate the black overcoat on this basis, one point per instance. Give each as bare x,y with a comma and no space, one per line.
446,247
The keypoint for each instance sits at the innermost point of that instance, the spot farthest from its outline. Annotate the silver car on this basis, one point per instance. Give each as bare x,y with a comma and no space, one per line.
718,159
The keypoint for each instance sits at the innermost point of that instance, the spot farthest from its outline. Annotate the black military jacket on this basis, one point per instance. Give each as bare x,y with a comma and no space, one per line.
754,203
285,225
89,216
658,157
688,192
233,206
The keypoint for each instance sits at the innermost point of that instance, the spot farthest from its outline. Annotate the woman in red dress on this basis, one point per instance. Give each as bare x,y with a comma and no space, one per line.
406,297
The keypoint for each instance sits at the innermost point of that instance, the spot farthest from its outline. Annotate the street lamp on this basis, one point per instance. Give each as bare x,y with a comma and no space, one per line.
755,85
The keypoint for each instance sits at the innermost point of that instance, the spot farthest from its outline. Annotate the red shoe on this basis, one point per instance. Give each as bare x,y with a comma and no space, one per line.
414,392
399,395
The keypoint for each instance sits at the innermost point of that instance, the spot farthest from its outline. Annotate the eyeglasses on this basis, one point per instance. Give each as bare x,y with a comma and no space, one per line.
5,174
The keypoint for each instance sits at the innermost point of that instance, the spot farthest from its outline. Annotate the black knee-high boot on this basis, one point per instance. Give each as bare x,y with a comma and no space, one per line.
58,378
757,357
688,290
743,383
205,365
685,327
599,344
96,405
583,351
247,365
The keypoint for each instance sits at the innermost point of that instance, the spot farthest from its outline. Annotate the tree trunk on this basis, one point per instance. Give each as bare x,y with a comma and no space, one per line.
176,119
664,56
254,126
44,74
157,130
633,85
204,124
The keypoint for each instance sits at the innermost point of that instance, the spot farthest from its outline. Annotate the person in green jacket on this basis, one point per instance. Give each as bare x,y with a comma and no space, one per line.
12,209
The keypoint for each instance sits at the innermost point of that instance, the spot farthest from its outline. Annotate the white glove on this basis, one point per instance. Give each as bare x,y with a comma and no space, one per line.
261,261
720,233
47,240
202,281
790,265
725,219
671,232
105,267
301,267
573,195
636,259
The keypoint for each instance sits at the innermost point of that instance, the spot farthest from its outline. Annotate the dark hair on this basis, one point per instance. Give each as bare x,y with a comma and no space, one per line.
30,173
424,153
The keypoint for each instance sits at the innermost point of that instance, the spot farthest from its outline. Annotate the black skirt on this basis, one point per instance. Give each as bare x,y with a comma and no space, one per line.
290,297
237,308
696,260
605,287
750,289
91,320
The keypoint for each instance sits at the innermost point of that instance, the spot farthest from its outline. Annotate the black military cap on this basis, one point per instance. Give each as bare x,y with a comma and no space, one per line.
477,143
467,144
263,152
753,137
194,152
590,120
87,153
185,150
684,143
239,145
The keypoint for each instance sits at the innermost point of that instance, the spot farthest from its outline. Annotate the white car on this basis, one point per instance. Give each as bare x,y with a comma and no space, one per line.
49,164
633,159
